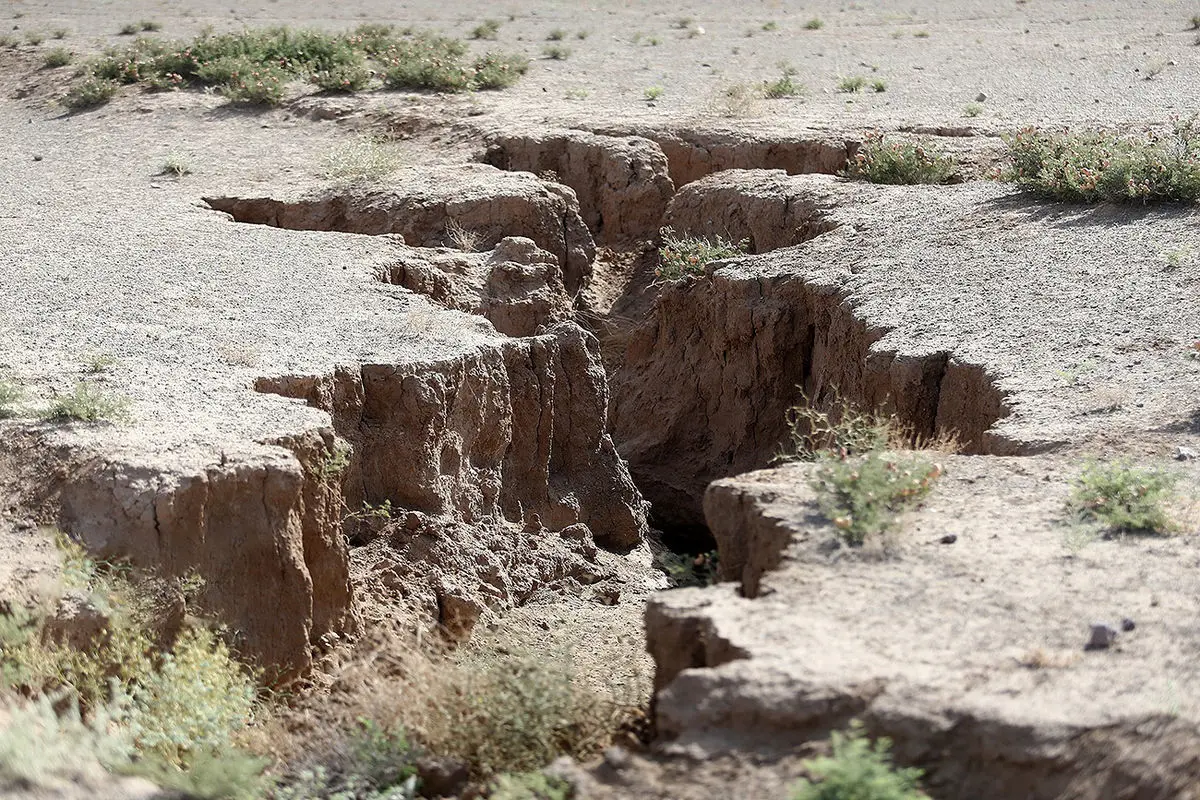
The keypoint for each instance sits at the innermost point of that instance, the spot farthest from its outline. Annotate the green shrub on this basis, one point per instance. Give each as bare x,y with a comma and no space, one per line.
972,109
862,495
344,78
879,85
87,403
851,84
556,52
89,93
488,29
256,86
1099,166
786,86
129,29
653,93
498,70
529,786
149,25
814,24
60,33
1124,498
1194,24
858,770
58,57
373,38
681,256
427,62
879,161
556,35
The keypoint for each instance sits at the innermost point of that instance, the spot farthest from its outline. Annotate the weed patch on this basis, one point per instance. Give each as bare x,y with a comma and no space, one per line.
1102,166
87,403
863,495
89,93
684,256
58,57
361,160
556,52
488,29
786,86
851,84
880,161
858,770
1124,498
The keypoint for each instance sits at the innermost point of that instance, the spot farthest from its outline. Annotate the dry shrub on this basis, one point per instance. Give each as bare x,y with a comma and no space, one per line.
496,708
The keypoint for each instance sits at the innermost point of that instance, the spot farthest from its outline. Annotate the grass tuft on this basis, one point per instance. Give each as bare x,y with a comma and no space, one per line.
87,403
488,29
688,256
176,165
972,109
851,84
361,160
1102,166
1124,498
899,163
556,52
785,86
814,24
858,769
58,57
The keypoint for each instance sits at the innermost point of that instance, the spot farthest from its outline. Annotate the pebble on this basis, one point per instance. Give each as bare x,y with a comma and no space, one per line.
1186,454
1103,636
979,98
1127,624
949,538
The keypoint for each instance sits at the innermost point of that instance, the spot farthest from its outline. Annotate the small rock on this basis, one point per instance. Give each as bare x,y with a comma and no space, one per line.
37,158
1127,624
979,98
1186,454
949,538
1103,635
608,595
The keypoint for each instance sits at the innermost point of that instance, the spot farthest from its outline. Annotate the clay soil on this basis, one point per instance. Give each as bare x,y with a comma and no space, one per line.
540,414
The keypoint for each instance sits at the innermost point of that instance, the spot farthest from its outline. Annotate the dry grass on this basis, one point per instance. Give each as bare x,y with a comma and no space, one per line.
363,160
461,238
496,707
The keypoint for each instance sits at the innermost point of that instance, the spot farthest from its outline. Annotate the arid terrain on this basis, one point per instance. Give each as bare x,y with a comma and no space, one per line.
579,407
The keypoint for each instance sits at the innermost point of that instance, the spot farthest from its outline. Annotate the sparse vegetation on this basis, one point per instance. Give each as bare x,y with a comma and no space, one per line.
1097,166
863,495
922,34
858,770
684,256
653,93
837,429
88,403
556,35
35,38
489,29
1124,498
176,165
851,83
577,93
361,160
99,362
58,57
129,29
770,25
785,86
556,52
738,100
529,786
131,704
1194,23
814,24
899,163
255,65
972,109
89,93
878,85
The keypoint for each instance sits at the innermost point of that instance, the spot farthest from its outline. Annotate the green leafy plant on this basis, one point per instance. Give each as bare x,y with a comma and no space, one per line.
858,770
881,161
851,84
972,109
256,86
653,93
1194,23
342,78
785,86
1102,166
863,495
58,57
1124,498
88,403
498,70
683,256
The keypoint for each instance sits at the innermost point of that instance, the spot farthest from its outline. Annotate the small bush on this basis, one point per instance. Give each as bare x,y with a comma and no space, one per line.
176,166
556,35
1194,24
129,29
1097,166
862,495
683,256
488,29
879,85
556,52
786,86
35,38
427,62
58,57
899,163
87,403
1124,498
498,70
972,109
362,159
858,770
653,93
529,786
851,84
60,33
770,26
149,25
342,78
814,24
257,86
